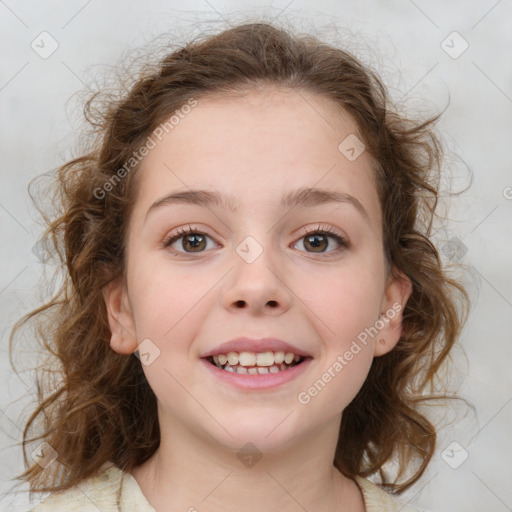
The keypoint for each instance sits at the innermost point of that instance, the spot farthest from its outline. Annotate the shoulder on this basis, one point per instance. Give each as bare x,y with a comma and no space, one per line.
98,492
378,500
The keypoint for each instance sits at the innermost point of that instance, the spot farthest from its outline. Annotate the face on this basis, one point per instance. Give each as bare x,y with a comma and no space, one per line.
311,272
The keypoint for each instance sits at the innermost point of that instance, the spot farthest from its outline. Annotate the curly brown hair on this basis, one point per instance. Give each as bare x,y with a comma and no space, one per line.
100,407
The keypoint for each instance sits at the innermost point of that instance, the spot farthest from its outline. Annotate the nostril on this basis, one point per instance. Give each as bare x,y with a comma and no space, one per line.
272,303
240,303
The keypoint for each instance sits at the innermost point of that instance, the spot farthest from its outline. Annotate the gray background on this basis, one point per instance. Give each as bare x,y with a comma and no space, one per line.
39,125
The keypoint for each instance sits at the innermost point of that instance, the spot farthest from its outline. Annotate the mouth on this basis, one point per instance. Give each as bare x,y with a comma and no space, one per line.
252,363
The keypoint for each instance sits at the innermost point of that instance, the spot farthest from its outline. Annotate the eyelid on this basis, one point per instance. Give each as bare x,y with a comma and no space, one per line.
329,231
183,231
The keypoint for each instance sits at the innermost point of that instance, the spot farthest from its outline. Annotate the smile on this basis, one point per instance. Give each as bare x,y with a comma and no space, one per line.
253,363
251,370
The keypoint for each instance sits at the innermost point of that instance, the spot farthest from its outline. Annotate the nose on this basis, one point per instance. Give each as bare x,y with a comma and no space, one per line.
258,287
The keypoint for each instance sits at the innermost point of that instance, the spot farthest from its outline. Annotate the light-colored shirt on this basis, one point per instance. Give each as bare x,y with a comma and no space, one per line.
113,490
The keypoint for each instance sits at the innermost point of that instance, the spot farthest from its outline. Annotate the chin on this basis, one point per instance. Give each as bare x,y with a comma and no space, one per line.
267,433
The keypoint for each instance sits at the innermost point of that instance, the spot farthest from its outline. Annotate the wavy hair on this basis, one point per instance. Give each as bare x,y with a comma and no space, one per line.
95,405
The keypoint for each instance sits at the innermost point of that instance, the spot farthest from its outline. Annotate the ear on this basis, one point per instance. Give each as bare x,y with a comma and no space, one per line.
398,291
120,318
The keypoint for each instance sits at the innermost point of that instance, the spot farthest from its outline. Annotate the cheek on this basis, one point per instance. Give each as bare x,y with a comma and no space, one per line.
160,298
344,301
168,308
336,384
343,306
342,311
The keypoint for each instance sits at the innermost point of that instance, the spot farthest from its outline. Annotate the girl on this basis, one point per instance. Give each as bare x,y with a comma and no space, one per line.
252,310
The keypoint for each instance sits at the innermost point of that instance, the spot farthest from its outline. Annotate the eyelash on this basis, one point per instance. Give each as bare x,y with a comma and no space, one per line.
331,232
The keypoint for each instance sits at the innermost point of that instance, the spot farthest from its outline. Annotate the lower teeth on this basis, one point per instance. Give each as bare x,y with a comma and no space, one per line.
255,370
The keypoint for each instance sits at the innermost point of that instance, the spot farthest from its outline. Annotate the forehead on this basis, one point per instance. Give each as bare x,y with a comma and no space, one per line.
261,143
255,116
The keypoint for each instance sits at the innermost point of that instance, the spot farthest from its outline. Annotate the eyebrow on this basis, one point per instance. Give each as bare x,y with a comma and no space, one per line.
301,197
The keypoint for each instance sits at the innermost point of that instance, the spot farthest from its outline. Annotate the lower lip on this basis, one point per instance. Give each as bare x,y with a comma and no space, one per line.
259,381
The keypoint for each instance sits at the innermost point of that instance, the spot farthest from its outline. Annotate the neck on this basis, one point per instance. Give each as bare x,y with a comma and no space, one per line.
192,472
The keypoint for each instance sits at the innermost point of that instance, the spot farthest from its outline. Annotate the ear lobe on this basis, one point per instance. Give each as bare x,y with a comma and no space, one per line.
397,293
122,327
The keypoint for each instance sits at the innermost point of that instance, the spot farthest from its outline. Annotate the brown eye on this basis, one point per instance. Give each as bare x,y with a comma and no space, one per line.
318,243
196,242
323,241
188,241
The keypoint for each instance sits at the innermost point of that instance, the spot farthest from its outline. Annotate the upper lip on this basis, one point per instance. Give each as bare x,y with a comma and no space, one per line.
255,345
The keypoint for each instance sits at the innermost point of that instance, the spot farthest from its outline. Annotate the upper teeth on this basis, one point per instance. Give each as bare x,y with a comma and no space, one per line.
255,359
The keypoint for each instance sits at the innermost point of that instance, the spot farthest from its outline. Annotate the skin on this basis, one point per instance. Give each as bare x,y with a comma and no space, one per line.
255,146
